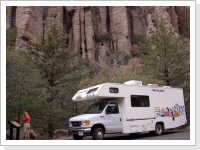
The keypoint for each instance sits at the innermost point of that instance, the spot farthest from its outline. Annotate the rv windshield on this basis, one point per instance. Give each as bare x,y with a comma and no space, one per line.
96,108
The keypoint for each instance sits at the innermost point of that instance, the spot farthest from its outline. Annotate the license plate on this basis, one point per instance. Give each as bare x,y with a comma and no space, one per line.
80,133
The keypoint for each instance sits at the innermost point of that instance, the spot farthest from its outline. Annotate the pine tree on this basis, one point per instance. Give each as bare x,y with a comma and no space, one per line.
23,83
59,66
165,56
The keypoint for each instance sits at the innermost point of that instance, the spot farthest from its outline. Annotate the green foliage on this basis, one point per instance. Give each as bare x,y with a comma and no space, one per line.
165,56
102,37
23,83
23,87
60,68
11,35
136,39
109,71
57,63
43,78
118,58
55,73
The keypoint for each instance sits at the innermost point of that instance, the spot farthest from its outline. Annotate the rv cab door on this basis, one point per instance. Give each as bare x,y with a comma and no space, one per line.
113,118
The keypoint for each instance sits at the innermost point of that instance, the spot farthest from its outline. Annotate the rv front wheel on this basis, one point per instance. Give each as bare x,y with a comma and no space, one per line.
159,130
98,134
77,137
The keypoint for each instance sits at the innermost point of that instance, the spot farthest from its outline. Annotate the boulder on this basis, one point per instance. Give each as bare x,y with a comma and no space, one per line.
61,133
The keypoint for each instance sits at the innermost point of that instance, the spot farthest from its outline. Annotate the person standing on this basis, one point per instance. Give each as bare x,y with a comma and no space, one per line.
27,119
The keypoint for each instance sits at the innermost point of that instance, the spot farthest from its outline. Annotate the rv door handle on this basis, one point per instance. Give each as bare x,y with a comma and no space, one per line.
101,116
120,119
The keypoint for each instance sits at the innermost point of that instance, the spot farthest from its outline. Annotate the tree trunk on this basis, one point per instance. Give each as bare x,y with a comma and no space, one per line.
166,75
50,129
167,82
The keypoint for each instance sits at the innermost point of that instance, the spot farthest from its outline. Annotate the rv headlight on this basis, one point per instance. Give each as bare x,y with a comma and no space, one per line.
70,125
87,122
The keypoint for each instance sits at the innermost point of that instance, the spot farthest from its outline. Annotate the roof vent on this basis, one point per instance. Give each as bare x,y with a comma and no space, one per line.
133,82
152,84
167,86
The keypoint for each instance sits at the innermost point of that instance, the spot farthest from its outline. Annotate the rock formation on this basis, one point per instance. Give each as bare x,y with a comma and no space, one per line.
95,30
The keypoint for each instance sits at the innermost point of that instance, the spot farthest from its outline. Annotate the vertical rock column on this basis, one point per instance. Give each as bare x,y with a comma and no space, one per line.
54,16
82,23
29,23
150,26
183,13
138,24
103,30
161,12
89,35
76,30
9,10
173,16
119,28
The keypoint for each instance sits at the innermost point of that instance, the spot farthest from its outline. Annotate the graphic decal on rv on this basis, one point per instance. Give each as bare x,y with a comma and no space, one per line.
79,97
175,111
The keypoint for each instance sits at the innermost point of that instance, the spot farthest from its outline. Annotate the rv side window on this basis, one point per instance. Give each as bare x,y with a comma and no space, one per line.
140,101
92,90
114,90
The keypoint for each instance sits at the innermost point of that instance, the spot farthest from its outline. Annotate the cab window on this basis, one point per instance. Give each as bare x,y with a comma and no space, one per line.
112,108
96,108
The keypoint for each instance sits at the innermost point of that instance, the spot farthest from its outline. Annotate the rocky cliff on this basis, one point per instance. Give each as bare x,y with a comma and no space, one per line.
96,30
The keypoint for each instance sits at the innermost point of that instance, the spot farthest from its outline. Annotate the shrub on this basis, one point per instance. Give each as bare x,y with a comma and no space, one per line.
136,39
102,37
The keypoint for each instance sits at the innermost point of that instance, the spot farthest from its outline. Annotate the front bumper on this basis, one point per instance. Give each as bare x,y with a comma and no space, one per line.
79,131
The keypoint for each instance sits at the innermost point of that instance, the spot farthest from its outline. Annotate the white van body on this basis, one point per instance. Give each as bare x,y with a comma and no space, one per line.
138,108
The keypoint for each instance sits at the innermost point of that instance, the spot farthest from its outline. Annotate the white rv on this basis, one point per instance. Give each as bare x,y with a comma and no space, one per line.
128,108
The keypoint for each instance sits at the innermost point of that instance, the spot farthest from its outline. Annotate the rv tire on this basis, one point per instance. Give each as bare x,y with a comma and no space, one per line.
98,134
133,134
159,129
77,137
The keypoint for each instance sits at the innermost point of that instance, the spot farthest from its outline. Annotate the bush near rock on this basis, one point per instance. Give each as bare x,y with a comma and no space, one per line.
42,135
